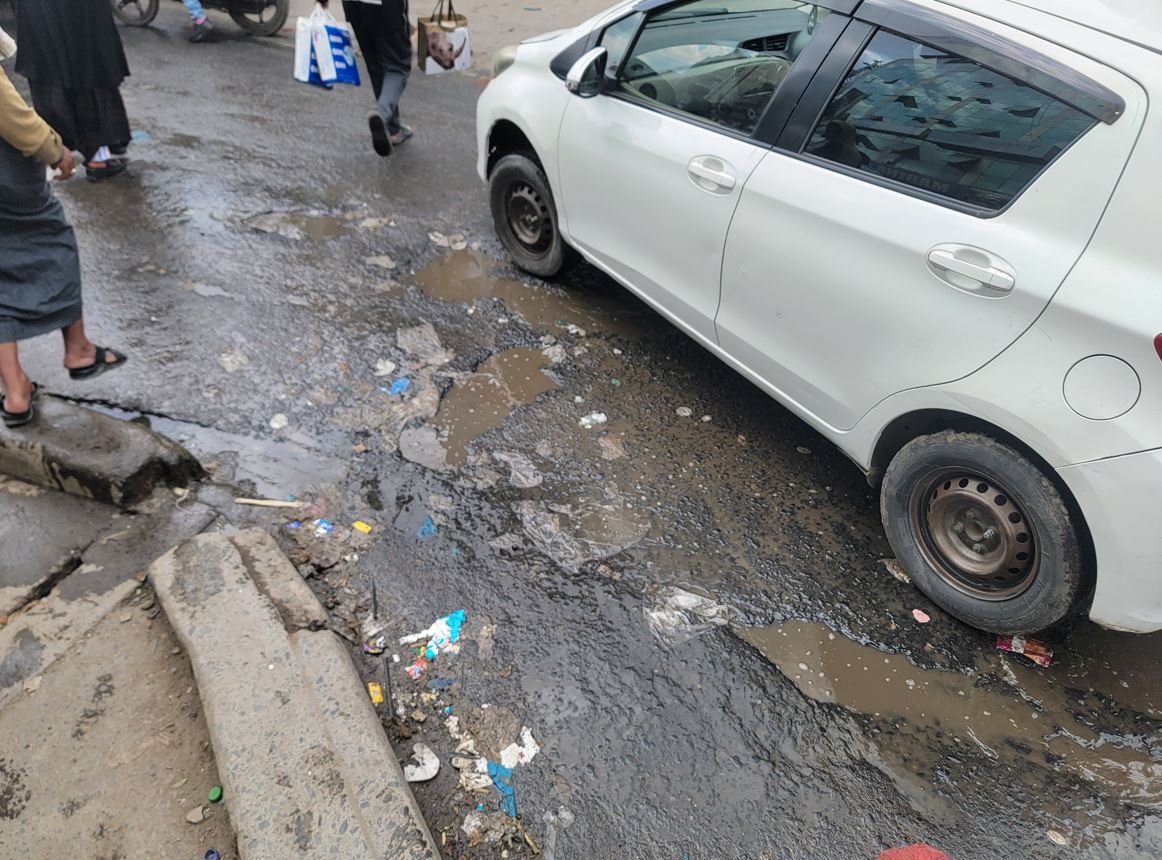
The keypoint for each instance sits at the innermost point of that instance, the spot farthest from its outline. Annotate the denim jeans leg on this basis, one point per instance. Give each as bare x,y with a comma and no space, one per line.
394,82
194,7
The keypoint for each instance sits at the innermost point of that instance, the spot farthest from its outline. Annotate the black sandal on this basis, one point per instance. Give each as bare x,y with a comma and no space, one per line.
99,365
19,419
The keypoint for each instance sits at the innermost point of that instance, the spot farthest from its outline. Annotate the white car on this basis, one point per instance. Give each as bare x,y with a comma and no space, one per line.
930,229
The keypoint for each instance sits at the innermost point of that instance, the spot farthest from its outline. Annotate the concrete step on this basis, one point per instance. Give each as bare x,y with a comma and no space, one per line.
306,768
79,451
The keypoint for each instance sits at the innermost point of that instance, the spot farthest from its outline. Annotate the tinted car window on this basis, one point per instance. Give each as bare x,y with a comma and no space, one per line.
615,40
935,121
718,60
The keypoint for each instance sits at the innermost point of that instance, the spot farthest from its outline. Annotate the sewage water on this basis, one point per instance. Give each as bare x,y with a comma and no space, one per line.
482,401
466,276
1032,716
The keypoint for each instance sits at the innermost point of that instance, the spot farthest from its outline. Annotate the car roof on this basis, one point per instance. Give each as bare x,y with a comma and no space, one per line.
1136,21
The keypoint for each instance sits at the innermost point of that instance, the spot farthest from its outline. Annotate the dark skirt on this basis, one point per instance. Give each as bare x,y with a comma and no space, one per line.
40,272
85,119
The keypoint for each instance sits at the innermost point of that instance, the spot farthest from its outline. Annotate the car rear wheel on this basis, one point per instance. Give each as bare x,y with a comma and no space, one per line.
984,533
525,215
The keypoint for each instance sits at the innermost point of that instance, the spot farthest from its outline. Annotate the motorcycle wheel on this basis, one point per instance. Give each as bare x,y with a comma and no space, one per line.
268,22
135,13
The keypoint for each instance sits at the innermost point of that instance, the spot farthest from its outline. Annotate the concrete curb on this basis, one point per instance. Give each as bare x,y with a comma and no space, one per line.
79,451
306,768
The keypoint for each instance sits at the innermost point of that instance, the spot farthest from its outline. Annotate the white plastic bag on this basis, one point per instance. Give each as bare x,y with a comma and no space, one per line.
311,65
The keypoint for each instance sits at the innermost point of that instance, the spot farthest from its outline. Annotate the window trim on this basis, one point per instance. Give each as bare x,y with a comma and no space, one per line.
843,7
796,135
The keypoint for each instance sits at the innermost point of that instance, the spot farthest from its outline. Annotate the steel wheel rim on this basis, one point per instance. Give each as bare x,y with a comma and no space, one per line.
528,219
124,13
975,535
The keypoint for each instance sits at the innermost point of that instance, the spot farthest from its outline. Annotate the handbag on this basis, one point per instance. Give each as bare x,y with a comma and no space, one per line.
442,41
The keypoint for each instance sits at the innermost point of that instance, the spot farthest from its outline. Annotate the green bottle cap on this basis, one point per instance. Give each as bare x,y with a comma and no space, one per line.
215,794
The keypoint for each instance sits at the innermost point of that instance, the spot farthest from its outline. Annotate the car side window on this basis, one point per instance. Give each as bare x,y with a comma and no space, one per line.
934,121
616,40
718,60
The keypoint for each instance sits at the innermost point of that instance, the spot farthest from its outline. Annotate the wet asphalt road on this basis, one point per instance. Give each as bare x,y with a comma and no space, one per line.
233,265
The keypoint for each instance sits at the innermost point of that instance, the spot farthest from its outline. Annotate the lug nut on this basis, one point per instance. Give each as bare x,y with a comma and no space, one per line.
978,548
958,527
989,534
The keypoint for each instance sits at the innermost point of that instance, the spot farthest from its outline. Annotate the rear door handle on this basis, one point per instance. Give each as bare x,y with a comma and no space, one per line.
711,174
957,264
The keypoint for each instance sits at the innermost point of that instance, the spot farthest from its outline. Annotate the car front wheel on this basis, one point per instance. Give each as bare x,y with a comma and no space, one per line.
983,532
526,215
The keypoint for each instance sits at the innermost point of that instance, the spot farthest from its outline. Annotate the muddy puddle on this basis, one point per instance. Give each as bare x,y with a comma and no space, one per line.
1006,710
466,276
299,225
486,398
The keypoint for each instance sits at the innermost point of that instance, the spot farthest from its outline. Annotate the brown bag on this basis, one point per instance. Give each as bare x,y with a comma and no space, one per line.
442,43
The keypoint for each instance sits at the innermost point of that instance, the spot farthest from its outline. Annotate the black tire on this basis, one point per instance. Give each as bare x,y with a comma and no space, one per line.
984,533
268,22
525,215
135,13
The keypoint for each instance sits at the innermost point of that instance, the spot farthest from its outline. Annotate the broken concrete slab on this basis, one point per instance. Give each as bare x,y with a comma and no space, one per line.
43,534
79,451
290,791
277,578
388,810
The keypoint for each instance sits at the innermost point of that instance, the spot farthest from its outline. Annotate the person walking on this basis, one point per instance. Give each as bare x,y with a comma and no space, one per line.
72,56
202,25
383,31
40,272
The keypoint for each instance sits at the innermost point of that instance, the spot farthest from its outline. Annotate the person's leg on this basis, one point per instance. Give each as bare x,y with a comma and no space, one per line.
394,83
17,385
194,7
202,25
79,350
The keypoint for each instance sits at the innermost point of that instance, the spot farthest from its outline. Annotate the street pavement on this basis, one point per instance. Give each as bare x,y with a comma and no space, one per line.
259,263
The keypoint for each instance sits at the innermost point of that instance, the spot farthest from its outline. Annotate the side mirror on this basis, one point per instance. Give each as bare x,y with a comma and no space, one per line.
587,76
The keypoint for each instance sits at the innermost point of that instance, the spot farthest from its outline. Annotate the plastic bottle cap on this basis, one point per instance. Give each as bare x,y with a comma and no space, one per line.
215,794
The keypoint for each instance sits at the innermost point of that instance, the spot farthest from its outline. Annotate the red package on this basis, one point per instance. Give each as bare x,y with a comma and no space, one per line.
1038,652
920,851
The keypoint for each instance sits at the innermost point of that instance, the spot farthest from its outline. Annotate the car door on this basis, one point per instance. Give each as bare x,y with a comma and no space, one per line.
933,188
651,169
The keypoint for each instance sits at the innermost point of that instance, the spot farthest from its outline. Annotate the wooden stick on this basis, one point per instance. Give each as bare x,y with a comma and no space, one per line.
268,503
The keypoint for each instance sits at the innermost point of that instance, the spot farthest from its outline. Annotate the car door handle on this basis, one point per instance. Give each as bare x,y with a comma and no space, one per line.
711,174
956,264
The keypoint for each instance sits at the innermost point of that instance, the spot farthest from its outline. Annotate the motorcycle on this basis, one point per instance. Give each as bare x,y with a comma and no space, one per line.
257,17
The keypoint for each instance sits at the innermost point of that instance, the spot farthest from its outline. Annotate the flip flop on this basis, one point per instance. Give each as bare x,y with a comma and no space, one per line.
380,139
19,419
99,365
405,134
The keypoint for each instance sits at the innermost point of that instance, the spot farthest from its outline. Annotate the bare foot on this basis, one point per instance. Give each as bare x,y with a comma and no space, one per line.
19,401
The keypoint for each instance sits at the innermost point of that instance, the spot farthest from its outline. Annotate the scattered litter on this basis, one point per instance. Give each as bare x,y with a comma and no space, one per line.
428,530
473,773
442,635
416,669
897,572
465,743
419,716
426,766
383,261
376,644
376,223
323,527
361,527
399,386
573,329
489,828
484,639
31,685
128,616
196,815
615,382
553,825
1056,838
680,615
613,528
521,753
277,422
295,524
215,794
555,354
376,692
592,420
921,616
447,710
268,503
211,854
578,399
684,411
522,472
803,450
139,136
706,419
439,239
421,444
480,807
616,351
501,777
383,367
1038,652
612,448
233,360
440,683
